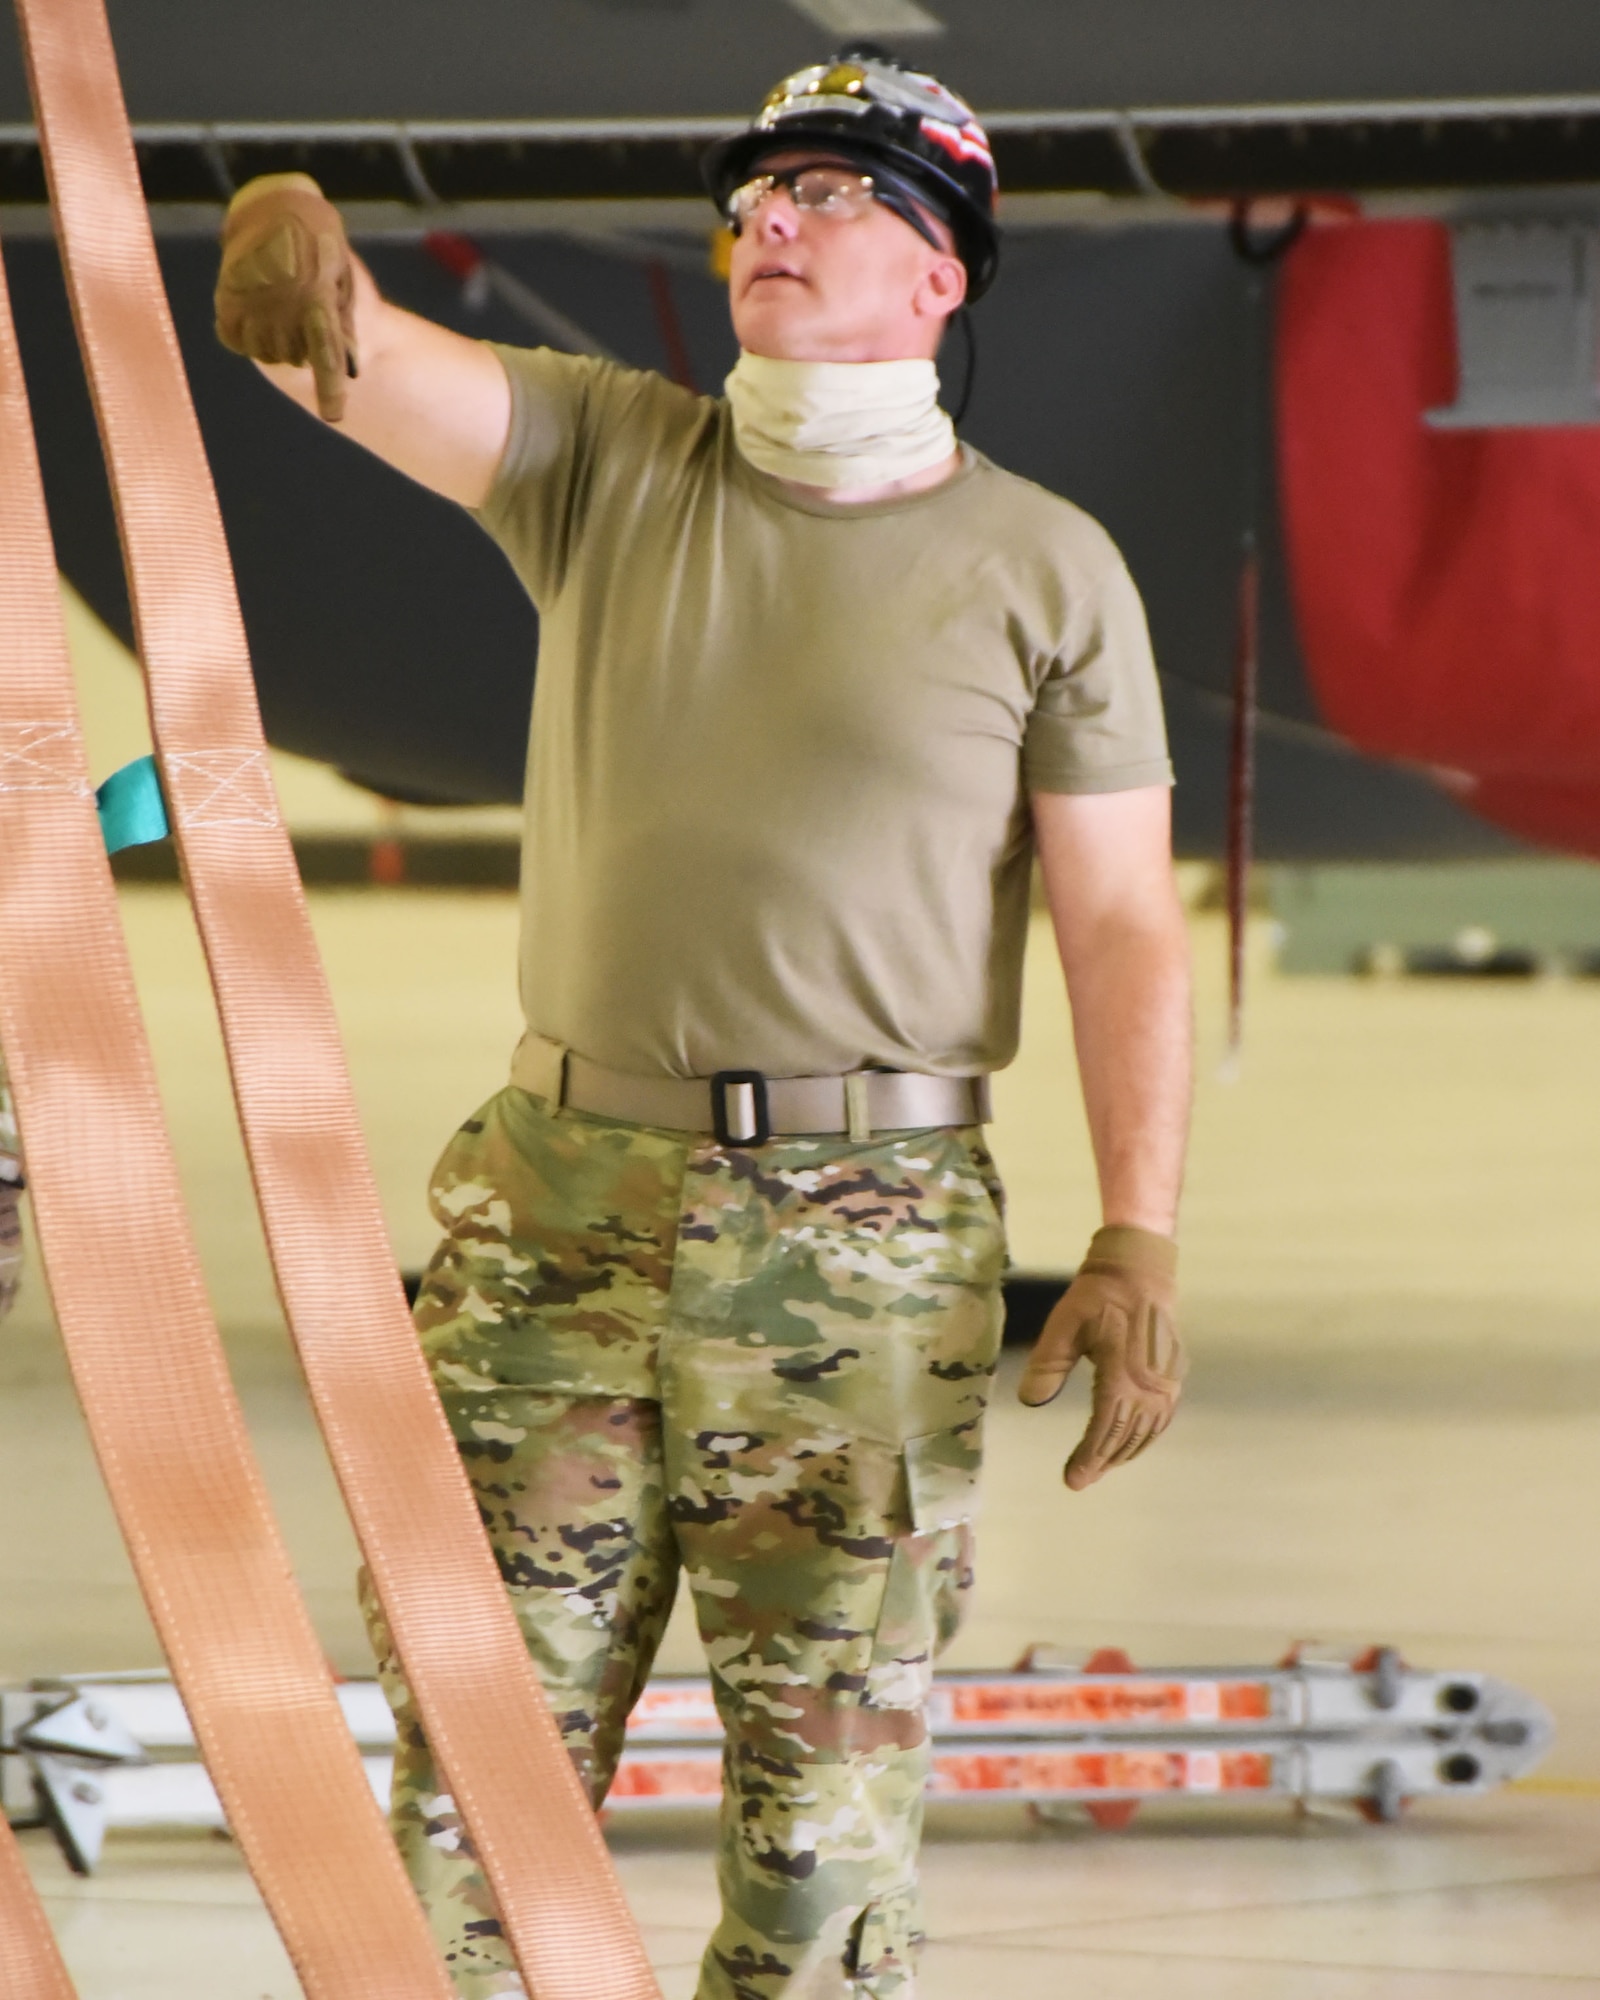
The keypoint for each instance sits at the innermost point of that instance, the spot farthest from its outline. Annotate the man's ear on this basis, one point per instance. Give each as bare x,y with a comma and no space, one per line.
943,288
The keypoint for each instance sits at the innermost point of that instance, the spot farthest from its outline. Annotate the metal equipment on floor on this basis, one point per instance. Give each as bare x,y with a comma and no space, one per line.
89,1754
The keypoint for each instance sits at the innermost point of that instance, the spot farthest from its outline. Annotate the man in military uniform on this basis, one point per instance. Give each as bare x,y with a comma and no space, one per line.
718,1294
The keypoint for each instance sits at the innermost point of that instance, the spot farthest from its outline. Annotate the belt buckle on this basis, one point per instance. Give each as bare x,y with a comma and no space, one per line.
746,1079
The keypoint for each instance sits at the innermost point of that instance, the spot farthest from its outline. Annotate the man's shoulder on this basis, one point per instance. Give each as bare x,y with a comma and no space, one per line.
638,391
602,391
1037,524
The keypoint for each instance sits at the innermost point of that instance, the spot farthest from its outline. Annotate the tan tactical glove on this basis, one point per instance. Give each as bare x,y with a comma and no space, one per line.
286,291
1118,1316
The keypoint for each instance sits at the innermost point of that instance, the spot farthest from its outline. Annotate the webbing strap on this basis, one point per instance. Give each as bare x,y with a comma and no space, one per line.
458,1641
146,1357
30,1964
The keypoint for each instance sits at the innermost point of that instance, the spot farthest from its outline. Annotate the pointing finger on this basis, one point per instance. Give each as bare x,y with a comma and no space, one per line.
325,351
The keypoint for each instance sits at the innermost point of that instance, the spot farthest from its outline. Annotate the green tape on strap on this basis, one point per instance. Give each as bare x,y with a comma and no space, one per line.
131,807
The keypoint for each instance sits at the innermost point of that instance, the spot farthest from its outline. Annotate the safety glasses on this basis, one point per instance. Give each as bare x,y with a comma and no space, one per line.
838,194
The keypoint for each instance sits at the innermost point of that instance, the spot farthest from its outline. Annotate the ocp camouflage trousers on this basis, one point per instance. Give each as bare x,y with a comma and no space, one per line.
763,1367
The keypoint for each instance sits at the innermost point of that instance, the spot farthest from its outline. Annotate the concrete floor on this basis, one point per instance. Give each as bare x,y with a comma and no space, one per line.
1392,1282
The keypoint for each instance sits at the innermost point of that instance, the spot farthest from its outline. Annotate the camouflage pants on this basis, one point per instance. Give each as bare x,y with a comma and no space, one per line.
764,1367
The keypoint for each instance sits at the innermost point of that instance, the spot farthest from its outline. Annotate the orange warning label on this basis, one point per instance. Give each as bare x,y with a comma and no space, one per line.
1100,1771
667,1778
685,1708
1096,1703
1083,1773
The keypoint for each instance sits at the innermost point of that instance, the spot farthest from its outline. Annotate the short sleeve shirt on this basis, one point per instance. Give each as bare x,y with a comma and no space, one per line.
777,794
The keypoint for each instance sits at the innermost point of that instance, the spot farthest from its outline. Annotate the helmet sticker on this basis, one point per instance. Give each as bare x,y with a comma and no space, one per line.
961,142
858,83
774,114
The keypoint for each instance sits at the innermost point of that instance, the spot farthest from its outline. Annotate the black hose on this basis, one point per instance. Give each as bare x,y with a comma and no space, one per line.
969,374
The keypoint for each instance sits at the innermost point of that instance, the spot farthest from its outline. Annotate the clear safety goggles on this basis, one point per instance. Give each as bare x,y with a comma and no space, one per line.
838,194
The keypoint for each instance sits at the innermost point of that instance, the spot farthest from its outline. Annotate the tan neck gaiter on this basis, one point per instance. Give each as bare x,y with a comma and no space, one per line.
839,423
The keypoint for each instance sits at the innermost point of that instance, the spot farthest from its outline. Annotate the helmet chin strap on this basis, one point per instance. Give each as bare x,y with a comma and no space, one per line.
838,424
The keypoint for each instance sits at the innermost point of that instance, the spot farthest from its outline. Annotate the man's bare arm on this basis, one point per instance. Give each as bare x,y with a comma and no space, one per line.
295,298
1107,864
434,404
1107,861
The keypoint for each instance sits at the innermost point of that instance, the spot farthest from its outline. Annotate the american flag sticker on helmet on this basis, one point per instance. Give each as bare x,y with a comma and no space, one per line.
961,142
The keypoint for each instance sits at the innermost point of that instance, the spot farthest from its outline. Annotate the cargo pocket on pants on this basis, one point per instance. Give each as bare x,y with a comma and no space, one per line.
883,1944
930,1572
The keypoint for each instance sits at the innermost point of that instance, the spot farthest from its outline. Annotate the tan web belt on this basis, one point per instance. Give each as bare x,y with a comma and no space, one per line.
129,1297
742,1107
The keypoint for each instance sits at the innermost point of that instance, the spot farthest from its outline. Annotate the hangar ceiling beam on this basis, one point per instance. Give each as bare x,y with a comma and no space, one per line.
1419,149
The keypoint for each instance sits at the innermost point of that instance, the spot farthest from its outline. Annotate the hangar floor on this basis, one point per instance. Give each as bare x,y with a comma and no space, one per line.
1392,1434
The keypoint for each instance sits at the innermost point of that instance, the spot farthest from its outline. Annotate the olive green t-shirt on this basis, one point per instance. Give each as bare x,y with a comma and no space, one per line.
776,810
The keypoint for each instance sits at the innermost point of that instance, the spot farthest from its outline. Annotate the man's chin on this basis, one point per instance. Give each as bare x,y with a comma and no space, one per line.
780,325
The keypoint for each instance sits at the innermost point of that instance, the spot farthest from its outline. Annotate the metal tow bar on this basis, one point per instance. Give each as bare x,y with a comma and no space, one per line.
91,1753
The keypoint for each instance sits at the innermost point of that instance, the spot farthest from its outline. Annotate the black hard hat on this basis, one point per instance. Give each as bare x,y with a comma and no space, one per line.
869,107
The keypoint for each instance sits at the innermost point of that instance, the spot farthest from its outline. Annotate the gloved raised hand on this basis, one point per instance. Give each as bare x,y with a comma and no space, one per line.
286,290
1118,1316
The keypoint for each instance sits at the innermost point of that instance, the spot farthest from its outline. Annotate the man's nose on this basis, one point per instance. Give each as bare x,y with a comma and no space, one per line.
777,219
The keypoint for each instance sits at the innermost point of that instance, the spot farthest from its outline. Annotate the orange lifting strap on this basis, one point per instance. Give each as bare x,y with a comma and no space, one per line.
126,1284
144,1349
30,1964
